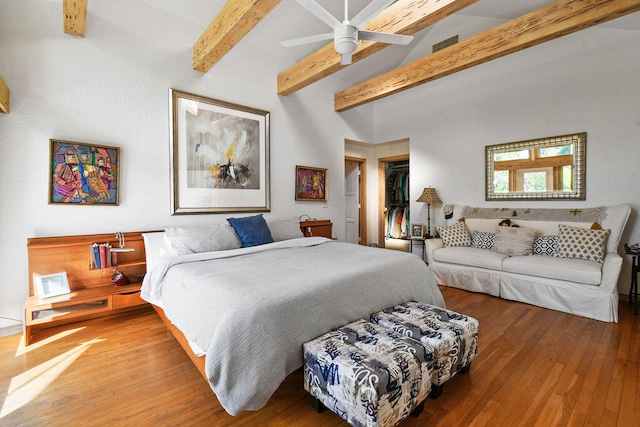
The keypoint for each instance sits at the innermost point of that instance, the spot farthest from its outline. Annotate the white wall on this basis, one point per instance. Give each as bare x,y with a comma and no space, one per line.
111,87
584,82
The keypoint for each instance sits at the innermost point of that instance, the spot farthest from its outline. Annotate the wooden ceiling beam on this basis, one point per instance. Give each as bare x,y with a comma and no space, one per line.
75,16
403,17
235,20
547,23
4,96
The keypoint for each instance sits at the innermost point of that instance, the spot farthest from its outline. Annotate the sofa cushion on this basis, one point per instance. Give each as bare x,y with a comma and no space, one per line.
514,241
545,245
473,257
589,245
482,239
455,235
571,270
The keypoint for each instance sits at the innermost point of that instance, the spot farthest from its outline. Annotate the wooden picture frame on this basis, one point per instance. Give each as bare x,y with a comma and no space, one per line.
417,230
311,184
219,156
51,285
83,173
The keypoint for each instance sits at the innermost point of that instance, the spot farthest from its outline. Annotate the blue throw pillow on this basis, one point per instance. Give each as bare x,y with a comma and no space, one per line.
252,230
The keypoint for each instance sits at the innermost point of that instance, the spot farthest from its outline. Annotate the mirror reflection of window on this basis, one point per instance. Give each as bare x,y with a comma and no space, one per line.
547,168
534,181
512,155
501,181
556,151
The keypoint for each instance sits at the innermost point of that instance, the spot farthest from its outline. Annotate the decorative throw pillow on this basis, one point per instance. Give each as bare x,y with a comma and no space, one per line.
514,241
252,230
455,235
285,230
545,245
482,239
581,243
205,238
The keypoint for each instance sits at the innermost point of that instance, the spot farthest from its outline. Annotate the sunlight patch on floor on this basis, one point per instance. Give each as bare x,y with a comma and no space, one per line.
28,385
23,349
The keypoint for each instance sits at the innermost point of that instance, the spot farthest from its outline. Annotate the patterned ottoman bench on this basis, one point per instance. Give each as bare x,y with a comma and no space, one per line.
367,374
452,337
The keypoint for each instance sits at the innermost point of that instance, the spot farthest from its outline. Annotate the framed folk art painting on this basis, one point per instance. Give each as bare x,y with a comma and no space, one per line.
219,156
83,173
311,184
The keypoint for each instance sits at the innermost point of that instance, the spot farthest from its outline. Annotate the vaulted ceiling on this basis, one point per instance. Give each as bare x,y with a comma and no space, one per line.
519,25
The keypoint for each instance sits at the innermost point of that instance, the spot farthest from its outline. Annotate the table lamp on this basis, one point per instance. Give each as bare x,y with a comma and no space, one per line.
429,196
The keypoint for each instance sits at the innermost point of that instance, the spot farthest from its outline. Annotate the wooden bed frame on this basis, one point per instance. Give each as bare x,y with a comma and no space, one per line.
184,343
72,255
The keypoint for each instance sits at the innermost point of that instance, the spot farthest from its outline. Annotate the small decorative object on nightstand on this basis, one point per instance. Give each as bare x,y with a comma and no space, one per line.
634,251
430,197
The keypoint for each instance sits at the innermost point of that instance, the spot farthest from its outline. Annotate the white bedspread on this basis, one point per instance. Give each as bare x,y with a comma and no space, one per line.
252,309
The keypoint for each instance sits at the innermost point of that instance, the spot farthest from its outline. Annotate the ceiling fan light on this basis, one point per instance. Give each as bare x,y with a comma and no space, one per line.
345,39
346,46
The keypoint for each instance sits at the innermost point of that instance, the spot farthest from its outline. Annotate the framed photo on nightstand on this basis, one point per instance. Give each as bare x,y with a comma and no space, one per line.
51,285
417,230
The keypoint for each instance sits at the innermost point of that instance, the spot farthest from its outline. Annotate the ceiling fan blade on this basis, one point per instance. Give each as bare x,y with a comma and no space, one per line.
375,36
308,39
320,12
369,12
345,59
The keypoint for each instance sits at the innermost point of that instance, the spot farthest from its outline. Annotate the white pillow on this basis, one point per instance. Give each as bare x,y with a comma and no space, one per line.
195,239
155,245
285,230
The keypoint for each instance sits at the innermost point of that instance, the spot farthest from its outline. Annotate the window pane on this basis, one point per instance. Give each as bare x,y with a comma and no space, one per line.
535,181
567,178
556,151
512,155
501,181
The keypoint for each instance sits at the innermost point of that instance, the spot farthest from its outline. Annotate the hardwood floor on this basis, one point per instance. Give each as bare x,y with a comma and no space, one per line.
534,367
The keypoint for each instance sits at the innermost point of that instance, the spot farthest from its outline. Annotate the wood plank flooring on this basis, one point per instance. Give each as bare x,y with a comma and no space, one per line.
534,367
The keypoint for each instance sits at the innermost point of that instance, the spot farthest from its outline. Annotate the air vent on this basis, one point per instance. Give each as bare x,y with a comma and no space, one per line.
445,43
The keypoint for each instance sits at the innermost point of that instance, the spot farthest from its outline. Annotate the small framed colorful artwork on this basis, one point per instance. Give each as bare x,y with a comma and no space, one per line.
311,184
83,174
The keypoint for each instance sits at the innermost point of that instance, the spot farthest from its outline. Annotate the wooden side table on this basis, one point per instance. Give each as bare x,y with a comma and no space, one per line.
635,267
418,239
320,228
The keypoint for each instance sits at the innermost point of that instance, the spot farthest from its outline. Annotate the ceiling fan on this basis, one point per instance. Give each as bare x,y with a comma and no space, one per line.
346,34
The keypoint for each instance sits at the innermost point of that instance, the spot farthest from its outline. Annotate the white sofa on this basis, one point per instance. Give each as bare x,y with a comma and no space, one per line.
578,286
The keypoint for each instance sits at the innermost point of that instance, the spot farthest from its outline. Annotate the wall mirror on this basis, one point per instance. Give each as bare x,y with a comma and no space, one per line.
551,168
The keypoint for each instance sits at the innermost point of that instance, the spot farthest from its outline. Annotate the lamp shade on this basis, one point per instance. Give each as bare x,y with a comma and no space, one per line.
429,196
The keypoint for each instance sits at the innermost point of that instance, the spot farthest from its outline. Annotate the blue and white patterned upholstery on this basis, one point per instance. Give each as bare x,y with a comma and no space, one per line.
367,374
545,245
452,337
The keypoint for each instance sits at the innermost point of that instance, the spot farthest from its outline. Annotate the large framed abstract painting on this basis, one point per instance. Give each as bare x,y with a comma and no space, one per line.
219,156
311,184
83,174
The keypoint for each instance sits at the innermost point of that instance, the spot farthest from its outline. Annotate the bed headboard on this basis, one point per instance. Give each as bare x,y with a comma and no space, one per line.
72,254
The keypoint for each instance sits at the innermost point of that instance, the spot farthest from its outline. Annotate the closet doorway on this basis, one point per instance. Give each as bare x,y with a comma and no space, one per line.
393,201
355,200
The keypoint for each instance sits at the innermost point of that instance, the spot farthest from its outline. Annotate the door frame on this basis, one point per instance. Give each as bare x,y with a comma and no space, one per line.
362,197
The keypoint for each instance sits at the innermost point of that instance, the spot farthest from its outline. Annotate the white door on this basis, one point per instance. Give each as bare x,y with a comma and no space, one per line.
352,201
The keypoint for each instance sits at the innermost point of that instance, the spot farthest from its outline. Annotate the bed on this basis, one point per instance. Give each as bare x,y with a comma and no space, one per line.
247,310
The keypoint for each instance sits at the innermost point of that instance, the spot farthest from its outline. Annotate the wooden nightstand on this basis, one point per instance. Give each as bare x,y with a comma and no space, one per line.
92,292
319,228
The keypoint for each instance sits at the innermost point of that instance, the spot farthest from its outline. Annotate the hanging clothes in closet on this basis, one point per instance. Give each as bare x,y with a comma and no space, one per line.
397,224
